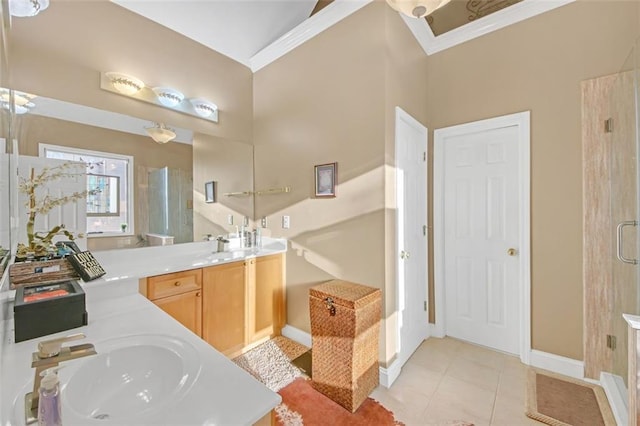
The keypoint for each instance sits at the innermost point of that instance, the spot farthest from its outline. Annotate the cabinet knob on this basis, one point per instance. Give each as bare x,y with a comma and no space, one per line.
198,294
177,283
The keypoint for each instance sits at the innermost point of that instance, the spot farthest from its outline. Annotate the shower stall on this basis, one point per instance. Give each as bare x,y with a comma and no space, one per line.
170,195
624,293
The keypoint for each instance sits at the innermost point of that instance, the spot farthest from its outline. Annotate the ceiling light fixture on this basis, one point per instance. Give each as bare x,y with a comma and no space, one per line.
160,133
125,84
168,96
417,8
27,8
203,107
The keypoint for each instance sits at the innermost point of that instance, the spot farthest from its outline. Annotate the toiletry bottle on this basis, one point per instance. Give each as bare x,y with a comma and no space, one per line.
49,408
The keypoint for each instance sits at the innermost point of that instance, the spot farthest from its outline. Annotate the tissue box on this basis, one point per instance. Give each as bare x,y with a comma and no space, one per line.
48,309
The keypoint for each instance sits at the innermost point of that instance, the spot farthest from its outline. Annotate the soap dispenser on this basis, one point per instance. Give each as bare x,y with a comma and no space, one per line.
49,404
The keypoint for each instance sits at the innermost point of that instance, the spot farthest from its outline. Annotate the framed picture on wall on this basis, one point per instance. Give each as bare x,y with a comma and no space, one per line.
210,192
326,180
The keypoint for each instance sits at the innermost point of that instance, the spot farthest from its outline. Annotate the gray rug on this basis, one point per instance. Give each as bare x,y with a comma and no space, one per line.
270,365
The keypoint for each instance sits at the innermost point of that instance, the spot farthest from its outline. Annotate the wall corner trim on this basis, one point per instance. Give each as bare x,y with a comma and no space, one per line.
390,374
327,17
616,393
557,364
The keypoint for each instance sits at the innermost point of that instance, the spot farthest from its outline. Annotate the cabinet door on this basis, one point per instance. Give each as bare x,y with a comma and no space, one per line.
224,307
186,308
268,314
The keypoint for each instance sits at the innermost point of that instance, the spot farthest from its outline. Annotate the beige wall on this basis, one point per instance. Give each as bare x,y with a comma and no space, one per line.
332,99
230,165
538,65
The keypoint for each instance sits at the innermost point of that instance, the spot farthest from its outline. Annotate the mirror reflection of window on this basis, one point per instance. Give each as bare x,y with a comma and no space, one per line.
112,175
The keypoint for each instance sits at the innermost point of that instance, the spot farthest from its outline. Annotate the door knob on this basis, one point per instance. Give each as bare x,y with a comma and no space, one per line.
512,252
404,254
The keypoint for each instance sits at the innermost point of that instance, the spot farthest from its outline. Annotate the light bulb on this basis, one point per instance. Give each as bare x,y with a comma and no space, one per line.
168,96
125,84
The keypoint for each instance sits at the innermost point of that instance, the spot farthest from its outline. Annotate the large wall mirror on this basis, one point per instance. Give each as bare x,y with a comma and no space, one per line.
158,191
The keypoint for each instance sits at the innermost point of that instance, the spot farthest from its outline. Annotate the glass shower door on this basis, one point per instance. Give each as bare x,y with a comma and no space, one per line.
624,208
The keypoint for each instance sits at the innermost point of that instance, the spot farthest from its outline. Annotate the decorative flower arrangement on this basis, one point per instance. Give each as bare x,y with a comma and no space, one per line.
40,202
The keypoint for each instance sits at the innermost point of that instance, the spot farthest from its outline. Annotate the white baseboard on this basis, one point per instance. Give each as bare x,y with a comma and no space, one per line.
557,364
616,392
297,335
435,331
390,374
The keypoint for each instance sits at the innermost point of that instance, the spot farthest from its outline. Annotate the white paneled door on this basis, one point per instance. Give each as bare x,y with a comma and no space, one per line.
411,219
482,237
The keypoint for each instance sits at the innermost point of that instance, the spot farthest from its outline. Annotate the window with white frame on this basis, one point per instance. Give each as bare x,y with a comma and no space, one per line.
110,178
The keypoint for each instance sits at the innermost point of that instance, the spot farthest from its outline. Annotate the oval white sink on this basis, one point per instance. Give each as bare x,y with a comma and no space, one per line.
130,376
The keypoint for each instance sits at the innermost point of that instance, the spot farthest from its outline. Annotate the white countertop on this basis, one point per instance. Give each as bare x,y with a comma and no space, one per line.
222,394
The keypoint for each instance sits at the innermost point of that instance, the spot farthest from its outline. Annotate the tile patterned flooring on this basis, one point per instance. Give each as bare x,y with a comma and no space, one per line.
447,380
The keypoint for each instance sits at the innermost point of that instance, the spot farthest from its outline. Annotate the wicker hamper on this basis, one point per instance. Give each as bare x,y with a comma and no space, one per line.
345,324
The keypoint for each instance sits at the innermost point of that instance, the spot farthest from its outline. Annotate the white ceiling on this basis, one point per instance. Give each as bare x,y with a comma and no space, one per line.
257,32
236,28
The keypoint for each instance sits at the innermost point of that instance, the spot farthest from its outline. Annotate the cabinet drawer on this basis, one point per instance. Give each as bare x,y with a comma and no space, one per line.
172,284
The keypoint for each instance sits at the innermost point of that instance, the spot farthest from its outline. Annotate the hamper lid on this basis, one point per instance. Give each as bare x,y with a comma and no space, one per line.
345,293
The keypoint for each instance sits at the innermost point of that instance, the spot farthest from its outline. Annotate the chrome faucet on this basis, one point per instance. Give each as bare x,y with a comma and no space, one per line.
51,354
221,243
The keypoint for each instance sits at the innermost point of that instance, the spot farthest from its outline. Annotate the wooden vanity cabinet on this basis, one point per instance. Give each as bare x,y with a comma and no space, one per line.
233,306
178,294
224,306
243,303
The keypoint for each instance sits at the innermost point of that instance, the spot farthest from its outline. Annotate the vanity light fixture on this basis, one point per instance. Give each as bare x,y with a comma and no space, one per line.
417,8
203,107
168,97
125,84
160,133
164,96
27,8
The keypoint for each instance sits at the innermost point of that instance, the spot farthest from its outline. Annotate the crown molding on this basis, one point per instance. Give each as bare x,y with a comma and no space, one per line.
505,17
330,15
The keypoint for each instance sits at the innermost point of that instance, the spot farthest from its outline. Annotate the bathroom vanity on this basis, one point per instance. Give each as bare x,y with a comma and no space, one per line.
232,306
195,287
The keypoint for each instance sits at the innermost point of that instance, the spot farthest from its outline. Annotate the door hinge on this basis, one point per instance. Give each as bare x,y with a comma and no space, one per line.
424,156
425,306
424,230
611,342
608,125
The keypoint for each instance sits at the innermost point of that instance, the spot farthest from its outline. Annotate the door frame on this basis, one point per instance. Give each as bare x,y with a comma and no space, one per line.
402,115
522,121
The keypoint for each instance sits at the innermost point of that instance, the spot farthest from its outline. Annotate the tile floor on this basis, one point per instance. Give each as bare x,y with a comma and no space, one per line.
447,379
